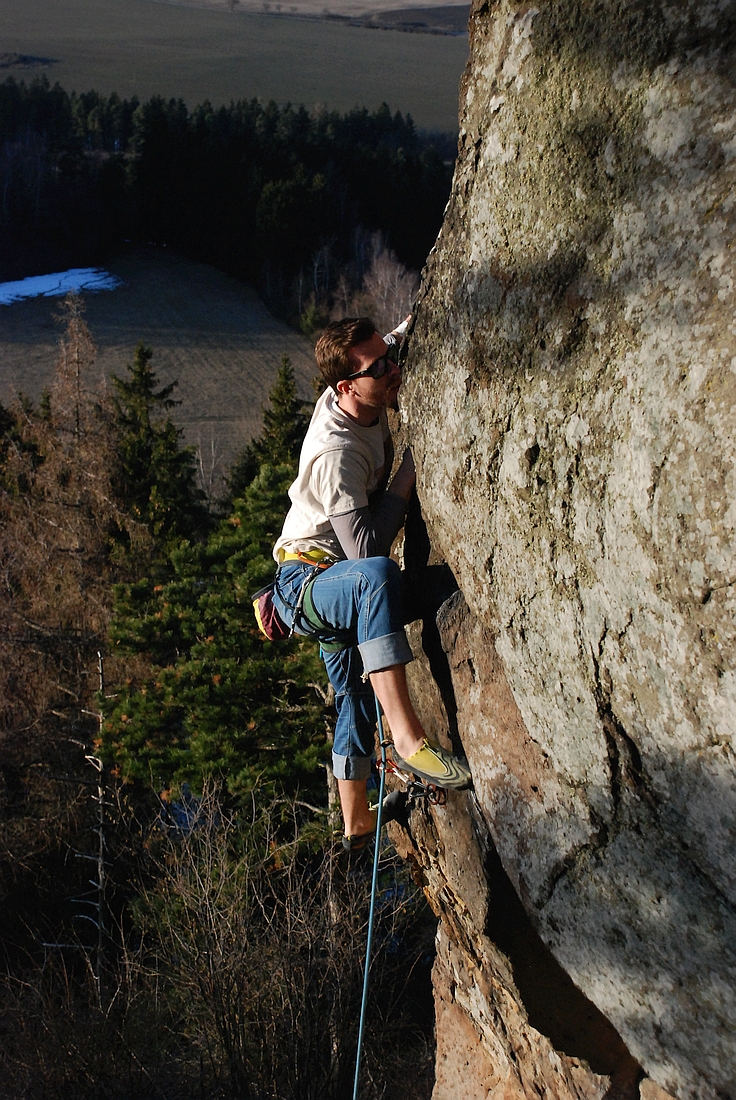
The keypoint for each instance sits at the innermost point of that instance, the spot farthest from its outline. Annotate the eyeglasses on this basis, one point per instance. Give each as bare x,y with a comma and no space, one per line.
377,369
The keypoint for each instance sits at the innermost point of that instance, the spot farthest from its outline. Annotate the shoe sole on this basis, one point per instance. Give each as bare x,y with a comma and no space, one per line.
357,843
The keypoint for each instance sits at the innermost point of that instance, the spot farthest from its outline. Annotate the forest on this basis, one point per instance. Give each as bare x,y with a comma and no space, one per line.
263,192
175,913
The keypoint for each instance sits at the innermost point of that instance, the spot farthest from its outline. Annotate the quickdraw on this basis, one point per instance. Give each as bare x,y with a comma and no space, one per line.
415,788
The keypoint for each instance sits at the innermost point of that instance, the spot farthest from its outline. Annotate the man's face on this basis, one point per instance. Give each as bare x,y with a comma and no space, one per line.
378,393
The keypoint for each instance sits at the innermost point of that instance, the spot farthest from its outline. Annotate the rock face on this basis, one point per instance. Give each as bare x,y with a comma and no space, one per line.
569,398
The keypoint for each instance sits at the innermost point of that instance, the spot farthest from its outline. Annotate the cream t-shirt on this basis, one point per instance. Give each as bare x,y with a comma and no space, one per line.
341,464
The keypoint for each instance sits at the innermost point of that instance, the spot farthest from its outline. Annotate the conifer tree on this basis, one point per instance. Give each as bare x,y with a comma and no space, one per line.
285,422
156,476
219,700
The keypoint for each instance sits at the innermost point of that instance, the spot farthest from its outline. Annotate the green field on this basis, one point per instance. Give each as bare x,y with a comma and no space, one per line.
210,332
138,47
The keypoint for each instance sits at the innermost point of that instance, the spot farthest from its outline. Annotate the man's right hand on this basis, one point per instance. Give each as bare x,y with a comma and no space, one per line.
400,330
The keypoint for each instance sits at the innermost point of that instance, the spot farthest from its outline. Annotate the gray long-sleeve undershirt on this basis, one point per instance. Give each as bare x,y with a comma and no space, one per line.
369,532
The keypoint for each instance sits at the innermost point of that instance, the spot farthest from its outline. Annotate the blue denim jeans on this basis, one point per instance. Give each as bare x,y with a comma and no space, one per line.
363,601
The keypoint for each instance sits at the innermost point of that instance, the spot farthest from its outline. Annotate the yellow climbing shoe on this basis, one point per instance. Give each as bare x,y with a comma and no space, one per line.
436,765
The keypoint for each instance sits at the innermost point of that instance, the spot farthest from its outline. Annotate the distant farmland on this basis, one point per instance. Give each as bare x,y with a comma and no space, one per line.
143,48
210,332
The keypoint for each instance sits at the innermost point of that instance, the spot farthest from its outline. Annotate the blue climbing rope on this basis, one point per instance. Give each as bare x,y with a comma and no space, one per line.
372,910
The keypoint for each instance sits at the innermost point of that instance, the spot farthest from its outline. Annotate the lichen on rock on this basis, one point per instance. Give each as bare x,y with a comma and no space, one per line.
569,398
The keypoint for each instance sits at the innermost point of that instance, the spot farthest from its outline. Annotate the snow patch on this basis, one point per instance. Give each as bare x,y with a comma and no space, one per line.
58,284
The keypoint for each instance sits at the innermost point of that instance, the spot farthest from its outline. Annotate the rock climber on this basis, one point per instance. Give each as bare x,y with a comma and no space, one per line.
335,579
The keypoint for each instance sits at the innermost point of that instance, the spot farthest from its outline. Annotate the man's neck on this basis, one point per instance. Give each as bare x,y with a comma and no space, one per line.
362,415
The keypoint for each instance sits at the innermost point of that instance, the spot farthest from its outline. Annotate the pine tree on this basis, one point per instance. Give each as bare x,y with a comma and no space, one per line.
219,699
285,422
156,476
213,697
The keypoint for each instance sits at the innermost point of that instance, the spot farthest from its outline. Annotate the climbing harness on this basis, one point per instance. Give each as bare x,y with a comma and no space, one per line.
339,640
299,609
307,615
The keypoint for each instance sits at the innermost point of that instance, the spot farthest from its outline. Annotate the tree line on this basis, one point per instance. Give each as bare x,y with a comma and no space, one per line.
174,917
256,189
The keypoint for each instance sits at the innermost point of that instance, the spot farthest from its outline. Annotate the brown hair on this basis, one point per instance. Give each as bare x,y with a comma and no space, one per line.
331,350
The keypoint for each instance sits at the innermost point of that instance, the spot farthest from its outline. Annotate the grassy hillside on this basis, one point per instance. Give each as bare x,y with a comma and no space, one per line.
142,48
210,332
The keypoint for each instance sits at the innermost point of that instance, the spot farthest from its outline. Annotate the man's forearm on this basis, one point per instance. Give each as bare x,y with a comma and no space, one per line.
369,533
404,480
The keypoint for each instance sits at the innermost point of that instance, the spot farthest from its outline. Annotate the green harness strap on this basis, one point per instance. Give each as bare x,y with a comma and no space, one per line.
317,623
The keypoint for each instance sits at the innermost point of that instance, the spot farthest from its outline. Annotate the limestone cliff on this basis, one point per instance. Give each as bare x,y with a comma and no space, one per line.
569,397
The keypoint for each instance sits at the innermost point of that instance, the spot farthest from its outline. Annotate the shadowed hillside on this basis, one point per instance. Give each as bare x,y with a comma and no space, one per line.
210,332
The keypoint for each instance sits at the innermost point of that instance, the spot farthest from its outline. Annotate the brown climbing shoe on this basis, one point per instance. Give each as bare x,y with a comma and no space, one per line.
394,809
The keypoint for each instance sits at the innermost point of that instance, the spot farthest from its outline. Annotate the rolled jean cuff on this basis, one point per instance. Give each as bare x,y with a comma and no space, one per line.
383,652
351,767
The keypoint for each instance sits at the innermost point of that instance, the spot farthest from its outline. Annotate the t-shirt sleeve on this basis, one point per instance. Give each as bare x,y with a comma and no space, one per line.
339,479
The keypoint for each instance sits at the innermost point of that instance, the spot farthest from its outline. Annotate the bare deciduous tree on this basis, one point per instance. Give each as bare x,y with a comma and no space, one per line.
261,946
56,512
390,285
387,288
241,978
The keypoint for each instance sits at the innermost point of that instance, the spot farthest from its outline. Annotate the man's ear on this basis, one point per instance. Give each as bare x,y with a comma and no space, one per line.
343,386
